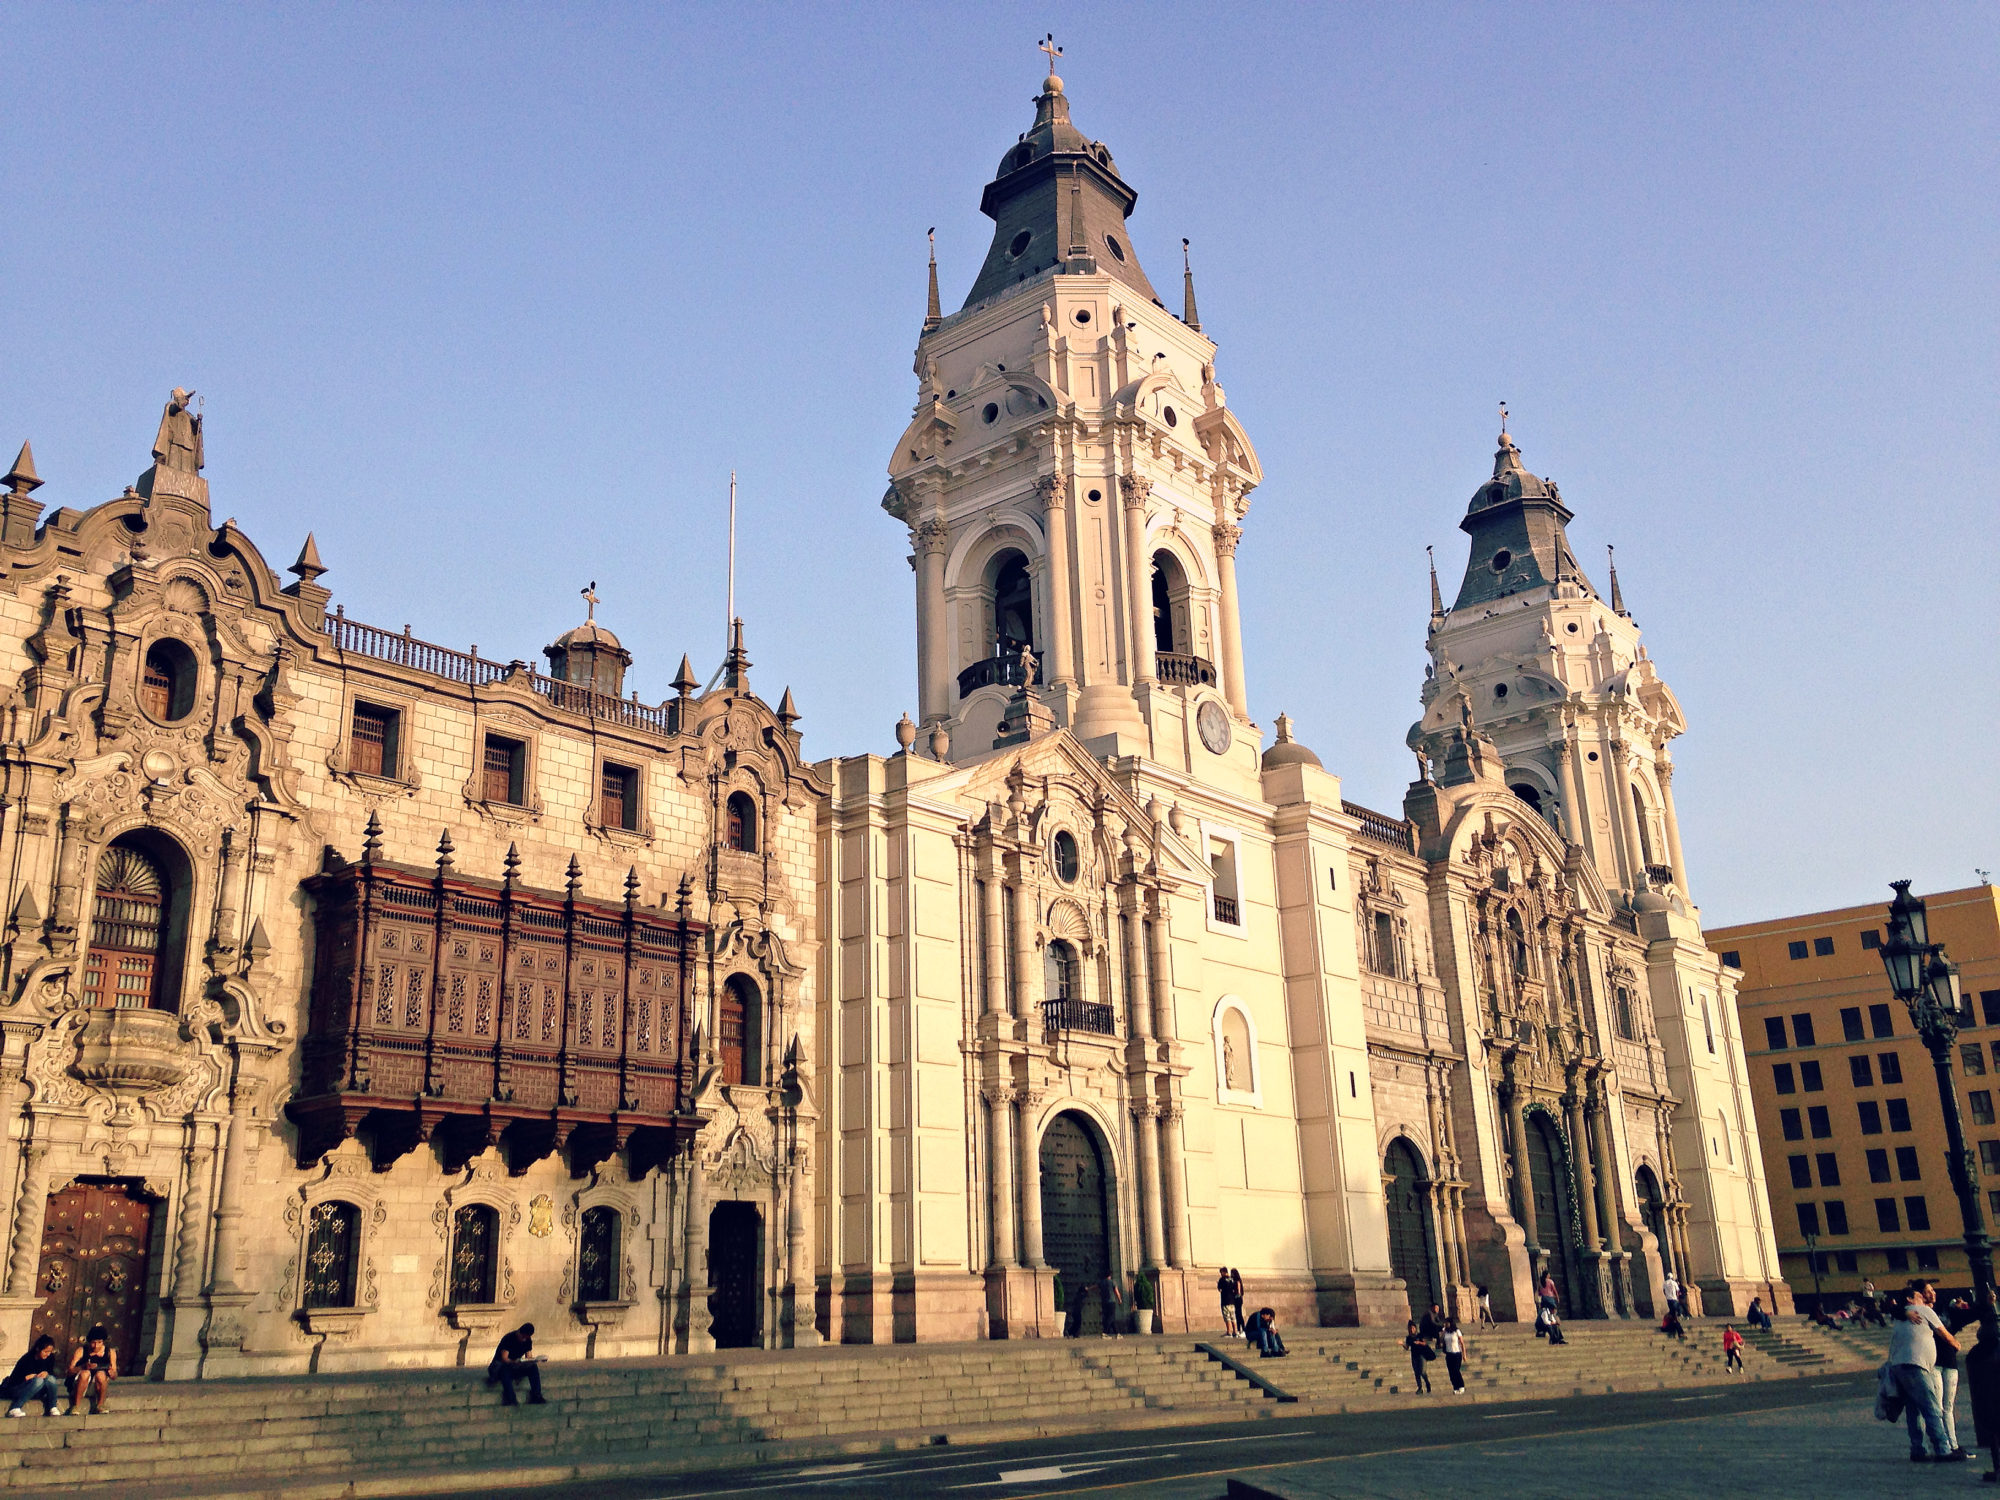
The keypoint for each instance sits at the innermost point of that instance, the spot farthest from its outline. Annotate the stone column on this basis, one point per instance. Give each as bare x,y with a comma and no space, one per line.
1140,1010
1227,535
1573,804
1524,1180
1027,960
1664,769
1138,575
1628,816
1586,1185
229,1196
194,1215
1174,1191
1000,1177
1029,1156
1159,987
930,537
25,1254
1151,1238
694,1259
996,940
1054,491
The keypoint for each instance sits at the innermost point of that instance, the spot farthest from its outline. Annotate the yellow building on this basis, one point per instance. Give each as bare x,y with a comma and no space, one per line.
1847,1101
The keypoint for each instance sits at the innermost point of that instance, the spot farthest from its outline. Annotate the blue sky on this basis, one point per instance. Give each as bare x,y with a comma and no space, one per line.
493,298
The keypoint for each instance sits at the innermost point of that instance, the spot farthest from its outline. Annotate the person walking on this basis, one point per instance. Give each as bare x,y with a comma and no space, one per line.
91,1370
1485,1306
1225,1293
34,1378
1452,1342
1982,1379
514,1360
1114,1307
1421,1354
1671,1326
1732,1349
1912,1367
1549,1291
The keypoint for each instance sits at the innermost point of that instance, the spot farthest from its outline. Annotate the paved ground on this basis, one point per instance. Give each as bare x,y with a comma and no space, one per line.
1806,1438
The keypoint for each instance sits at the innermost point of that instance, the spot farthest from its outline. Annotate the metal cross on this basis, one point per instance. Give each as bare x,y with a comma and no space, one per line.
1047,44
590,598
1503,416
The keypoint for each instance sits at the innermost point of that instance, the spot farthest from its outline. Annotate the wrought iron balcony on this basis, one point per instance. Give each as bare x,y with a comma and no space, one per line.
1660,875
1226,911
1079,1015
992,671
1184,671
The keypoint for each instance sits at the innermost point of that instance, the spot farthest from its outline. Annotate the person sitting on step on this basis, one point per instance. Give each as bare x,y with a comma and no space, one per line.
514,1360
92,1369
34,1376
1264,1333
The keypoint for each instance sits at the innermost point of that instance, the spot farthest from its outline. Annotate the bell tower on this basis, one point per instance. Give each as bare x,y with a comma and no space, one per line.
1535,666
1074,484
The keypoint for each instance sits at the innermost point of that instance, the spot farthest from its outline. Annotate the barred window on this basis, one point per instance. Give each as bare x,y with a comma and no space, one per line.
475,1237
333,1244
597,1256
505,769
123,969
372,742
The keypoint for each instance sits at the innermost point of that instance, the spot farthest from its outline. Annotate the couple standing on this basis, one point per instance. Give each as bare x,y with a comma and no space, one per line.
1229,1289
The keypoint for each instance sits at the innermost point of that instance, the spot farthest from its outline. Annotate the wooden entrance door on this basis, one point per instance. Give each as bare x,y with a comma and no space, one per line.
96,1242
1409,1236
1076,1236
736,1272
1548,1172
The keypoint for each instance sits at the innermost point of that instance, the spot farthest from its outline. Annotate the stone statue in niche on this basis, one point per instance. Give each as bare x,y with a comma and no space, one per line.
178,444
1232,1076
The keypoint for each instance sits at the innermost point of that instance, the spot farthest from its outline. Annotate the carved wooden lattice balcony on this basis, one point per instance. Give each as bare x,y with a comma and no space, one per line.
444,999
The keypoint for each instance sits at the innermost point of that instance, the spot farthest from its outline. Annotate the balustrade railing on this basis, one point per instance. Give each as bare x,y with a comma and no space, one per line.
1183,671
1227,912
992,671
1079,1015
1381,827
473,670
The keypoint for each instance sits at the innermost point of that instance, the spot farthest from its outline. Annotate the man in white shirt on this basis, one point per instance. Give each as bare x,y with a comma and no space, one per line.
1672,1291
1913,1341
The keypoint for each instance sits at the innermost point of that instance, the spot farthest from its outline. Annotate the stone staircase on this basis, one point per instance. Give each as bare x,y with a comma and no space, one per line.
431,1431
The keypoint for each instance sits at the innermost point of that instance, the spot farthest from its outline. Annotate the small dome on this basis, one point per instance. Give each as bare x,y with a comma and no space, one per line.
589,633
1511,479
1288,751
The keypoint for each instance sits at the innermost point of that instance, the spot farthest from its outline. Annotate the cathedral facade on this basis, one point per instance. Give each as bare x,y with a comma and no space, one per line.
363,995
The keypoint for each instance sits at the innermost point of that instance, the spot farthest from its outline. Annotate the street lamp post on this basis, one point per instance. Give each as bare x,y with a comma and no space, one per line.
1812,1260
1927,983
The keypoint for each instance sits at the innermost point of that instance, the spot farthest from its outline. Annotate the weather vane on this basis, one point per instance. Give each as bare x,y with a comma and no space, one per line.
1048,44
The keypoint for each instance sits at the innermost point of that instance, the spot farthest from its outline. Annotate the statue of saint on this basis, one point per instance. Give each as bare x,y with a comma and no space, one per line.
178,445
1027,665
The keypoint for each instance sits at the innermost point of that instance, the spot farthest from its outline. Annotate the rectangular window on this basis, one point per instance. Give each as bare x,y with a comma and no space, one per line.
1927,1260
1917,1214
1871,940
618,798
1733,958
1878,1166
372,747
1802,1030
1829,1169
1222,865
1850,1022
1809,1077
1781,1073
1822,947
1871,1117
1989,1007
1801,1171
1816,1118
1861,1073
1788,1122
1989,1158
1899,1115
1981,1101
1774,1033
1890,1066
1993,1202
1847,1262
1880,1022
1809,1219
1797,950
1836,1218
1885,1216
505,765
1996,1056
1899,1260
1708,1031
1972,1058
1906,1164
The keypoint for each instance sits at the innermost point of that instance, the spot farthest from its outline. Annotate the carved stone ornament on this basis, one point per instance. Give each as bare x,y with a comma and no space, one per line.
541,1216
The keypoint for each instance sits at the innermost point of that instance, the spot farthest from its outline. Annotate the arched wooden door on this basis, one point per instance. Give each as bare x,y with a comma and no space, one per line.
96,1253
1076,1224
736,1272
1409,1231
1548,1171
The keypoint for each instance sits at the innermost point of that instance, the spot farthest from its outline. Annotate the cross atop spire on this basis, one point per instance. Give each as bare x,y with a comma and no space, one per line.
1048,44
1503,419
590,599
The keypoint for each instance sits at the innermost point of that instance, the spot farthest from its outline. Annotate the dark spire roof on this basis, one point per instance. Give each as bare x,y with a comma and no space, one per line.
1057,201
1617,594
1516,522
1188,314
1437,599
933,312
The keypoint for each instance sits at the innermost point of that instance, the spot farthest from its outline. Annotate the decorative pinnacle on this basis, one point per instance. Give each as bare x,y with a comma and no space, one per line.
788,711
308,567
632,886
511,867
1188,314
933,310
685,681
1503,419
1437,599
573,877
371,841
444,852
22,477
1617,594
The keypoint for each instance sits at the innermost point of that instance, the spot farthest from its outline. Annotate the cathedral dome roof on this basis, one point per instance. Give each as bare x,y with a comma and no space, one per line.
1288,751
589,633
1511,480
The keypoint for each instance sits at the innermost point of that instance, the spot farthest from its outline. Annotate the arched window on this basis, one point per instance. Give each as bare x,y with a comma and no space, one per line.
1172,629
333,1246
1064,978
597,1256
133,925
475,1253
1013,605
738,1030
1645,833
740,823
166,682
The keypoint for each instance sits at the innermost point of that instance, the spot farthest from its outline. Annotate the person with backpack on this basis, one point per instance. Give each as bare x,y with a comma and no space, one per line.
1421,1354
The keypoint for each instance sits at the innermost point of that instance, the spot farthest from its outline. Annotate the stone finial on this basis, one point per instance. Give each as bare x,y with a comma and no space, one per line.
445,848
573,878
510,867
27,911
906,733
371,840
685,681
1284,727
258,948
788,711
308,568
940,741
1437,599
22,478
632,887
684,894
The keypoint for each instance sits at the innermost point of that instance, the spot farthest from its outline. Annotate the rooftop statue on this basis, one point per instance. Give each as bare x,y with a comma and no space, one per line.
178,445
